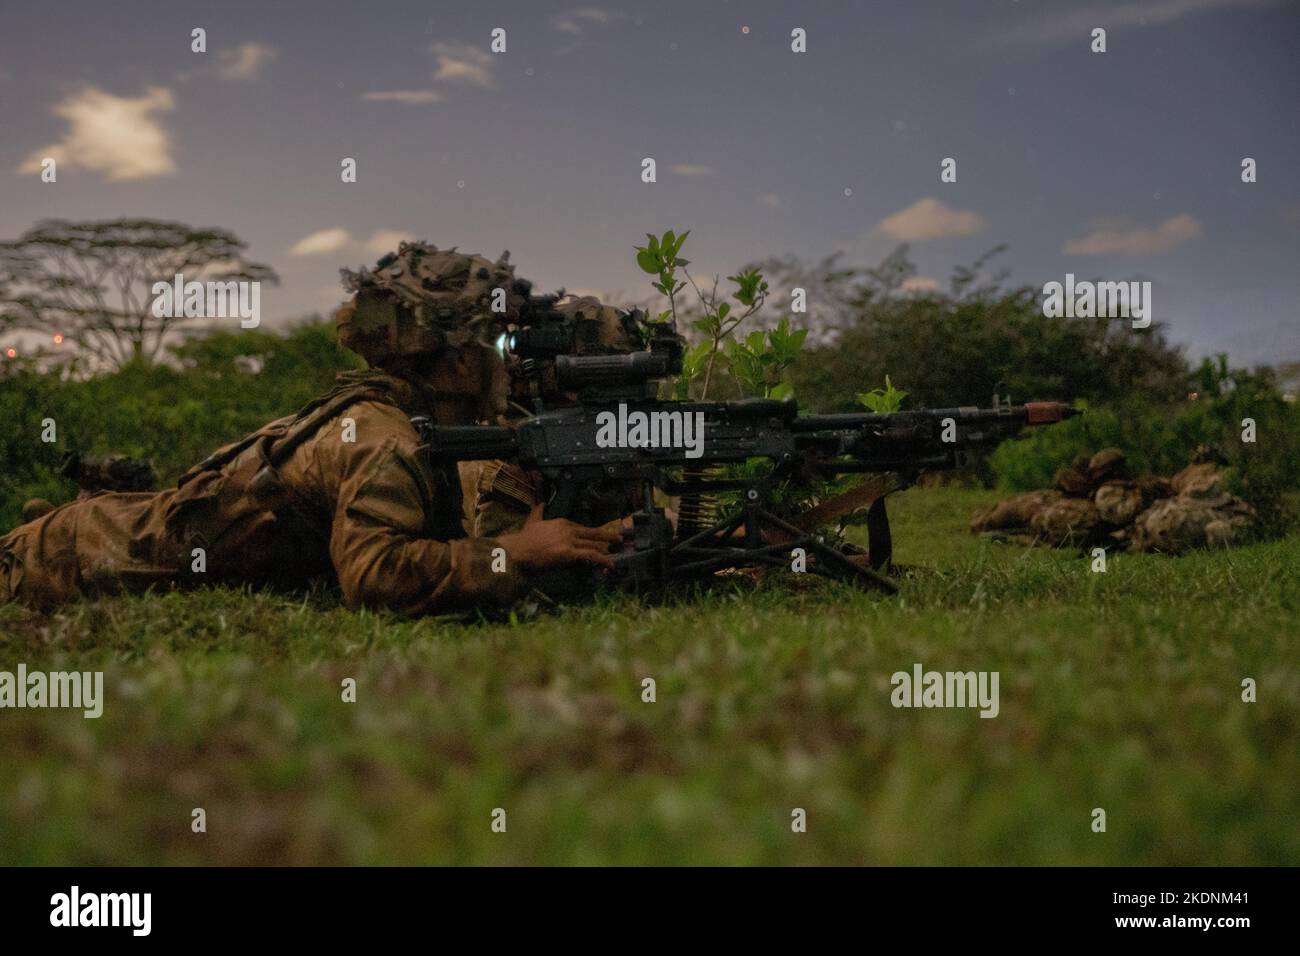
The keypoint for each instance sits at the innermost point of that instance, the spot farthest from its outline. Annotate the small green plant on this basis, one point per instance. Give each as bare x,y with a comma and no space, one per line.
660,257
693,363
720,322
882,401
758,361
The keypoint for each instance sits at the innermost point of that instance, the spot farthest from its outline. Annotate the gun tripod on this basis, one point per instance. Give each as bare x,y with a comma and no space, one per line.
753,537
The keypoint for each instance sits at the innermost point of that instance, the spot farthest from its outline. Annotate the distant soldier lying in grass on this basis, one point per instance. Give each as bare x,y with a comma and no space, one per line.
1095,503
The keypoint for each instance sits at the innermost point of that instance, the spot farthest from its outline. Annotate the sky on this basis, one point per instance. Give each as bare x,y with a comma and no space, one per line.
1117,165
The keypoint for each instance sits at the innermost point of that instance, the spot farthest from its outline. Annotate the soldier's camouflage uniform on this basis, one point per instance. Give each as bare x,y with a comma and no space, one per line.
295,502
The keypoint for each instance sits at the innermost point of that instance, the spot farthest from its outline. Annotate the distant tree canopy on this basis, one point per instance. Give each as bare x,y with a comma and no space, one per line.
91,282
955,346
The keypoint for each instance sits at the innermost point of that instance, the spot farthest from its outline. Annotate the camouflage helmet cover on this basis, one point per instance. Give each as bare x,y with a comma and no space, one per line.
600,329
420,300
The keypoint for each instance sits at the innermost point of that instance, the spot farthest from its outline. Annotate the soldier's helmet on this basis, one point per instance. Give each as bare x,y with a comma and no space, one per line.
420,300
600,329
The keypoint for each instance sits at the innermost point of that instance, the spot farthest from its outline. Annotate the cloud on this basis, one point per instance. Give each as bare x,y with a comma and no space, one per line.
321,242
771,200
118,136
325,241
929,219
578,23
920,284
691,169
574,22
244,62
1075,23
405,97
1120,239
463,63
387,240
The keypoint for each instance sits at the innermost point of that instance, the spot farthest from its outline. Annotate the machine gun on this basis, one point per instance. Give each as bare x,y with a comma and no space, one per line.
617,434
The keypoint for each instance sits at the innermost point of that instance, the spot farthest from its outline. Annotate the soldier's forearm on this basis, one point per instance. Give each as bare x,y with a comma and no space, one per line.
419,576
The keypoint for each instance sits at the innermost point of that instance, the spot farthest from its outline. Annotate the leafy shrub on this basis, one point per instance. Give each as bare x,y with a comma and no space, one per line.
956,346
759,360
223,386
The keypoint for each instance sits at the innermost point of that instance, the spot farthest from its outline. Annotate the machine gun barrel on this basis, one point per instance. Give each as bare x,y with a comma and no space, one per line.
1031,413
735,431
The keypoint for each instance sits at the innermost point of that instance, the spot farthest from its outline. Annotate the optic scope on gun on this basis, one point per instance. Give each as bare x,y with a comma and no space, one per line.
546,360
580,372
539,341
630,375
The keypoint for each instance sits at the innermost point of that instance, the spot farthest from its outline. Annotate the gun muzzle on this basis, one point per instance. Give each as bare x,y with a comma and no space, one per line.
1047,413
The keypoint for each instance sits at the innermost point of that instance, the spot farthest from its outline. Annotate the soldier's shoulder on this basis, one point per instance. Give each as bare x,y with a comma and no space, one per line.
361,430
379,421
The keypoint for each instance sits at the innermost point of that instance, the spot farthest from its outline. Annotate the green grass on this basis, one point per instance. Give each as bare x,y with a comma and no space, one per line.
1118,690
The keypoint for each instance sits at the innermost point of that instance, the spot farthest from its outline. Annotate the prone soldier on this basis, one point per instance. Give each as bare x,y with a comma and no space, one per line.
338,492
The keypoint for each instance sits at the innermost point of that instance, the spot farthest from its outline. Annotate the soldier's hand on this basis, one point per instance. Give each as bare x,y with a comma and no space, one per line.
543,544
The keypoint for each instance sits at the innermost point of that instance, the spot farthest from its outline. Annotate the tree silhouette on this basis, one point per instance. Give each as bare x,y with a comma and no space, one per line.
91,282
